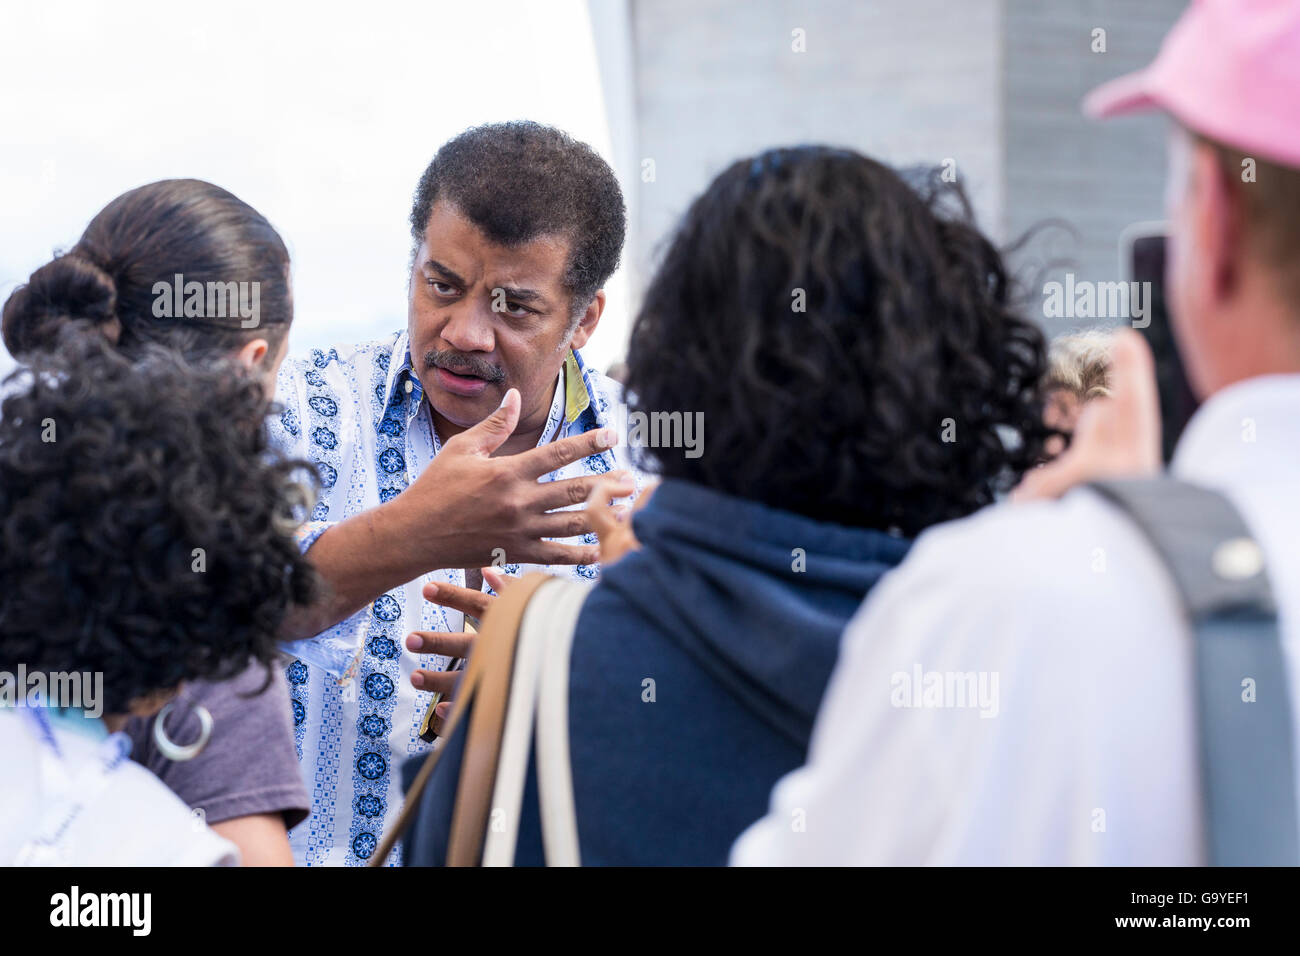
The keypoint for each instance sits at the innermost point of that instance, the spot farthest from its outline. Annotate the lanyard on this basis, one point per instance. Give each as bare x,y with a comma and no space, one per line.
65,797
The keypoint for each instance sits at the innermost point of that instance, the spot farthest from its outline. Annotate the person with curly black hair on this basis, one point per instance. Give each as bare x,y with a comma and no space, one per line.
120,281
852,347
148,542
865,359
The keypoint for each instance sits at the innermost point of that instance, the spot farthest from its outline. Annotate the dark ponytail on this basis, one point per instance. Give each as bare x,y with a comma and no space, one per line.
68,290
108,281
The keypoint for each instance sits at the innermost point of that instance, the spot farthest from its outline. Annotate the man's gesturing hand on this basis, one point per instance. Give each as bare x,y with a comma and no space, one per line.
455,644
469,508
466,510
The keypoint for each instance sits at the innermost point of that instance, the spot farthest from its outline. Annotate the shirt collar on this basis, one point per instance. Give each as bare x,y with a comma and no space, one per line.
577,398
573,400
1246,430
401,380
583,399
555,418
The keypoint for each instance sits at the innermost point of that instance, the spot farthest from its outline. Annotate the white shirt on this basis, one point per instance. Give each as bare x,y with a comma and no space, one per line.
358,412
1089,752
75,799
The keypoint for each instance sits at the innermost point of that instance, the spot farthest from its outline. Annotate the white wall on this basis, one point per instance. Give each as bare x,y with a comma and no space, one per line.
994,85
904,81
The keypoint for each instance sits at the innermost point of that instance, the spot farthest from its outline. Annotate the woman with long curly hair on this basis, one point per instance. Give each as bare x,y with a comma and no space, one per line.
147,541
184,265
851,347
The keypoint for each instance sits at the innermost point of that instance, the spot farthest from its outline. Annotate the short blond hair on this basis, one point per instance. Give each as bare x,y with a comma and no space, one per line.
1080,364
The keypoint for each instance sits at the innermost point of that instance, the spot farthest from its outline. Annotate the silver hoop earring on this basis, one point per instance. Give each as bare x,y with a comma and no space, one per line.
174,751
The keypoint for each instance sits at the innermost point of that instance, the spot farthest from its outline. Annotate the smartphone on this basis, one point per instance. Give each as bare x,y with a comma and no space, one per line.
1142,259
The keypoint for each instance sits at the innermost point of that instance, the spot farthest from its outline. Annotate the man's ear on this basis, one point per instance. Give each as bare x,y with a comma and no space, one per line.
590,319
1220,214
252,353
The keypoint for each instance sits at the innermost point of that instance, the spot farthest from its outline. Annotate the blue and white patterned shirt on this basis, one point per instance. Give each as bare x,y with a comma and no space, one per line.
359,414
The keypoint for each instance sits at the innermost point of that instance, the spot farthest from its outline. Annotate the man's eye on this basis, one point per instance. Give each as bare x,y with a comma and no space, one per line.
517,310
442,288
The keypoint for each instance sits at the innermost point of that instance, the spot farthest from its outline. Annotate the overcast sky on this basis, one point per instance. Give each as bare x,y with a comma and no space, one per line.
321,116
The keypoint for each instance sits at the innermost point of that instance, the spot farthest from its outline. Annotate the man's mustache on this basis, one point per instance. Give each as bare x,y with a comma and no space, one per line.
460,363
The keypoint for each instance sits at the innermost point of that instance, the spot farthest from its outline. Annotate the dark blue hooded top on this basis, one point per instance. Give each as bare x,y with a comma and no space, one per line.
734,610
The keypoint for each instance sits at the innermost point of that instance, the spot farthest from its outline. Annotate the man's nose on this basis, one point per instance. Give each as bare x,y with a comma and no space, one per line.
468,329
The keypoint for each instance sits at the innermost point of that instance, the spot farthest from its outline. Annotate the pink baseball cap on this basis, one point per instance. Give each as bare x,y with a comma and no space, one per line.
1229,70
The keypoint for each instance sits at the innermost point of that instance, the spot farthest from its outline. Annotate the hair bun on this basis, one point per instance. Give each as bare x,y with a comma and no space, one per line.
70,290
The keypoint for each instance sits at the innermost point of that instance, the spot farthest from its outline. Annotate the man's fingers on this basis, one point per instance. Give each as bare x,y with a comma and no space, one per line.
440,715
570,524
438,682
560,524
555,455
551,552
489,434
466,600
575,491
496,580
444,643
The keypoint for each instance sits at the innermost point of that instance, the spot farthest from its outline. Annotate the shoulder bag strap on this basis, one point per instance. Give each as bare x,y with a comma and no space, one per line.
505,614
1246,723
554,771
493,658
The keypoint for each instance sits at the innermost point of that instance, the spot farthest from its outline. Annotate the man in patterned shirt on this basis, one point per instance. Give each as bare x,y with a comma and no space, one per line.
451,445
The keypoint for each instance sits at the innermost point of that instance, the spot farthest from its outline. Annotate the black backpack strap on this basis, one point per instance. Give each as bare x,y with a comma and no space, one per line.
1245,717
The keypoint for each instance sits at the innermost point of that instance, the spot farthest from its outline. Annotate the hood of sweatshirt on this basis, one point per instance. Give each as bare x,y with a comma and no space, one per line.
757,596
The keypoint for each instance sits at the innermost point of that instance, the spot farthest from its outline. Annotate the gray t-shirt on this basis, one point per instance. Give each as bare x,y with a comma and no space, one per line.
250,764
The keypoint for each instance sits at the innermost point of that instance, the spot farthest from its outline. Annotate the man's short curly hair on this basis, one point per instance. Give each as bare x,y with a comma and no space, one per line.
521,180
114,471
850,339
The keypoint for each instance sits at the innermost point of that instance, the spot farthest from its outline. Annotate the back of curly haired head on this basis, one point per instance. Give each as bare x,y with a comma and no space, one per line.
114,472
150,235
851,341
